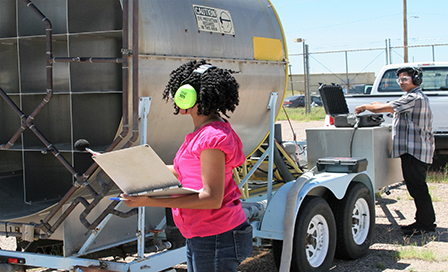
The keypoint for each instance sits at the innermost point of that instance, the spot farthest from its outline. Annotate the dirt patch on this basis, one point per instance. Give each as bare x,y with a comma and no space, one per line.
391,251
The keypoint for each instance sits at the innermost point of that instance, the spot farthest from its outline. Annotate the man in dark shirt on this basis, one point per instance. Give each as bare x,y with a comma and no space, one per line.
413,142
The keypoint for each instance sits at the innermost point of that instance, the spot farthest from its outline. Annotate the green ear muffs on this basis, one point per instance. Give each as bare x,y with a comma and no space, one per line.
185,97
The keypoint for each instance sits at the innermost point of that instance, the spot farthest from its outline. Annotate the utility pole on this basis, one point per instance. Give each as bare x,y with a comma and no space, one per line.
405,31
306,62
433,54
387,52
306,74
290,78
390,53
346,73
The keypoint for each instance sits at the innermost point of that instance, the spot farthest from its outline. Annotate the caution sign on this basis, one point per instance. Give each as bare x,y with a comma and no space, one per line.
213,20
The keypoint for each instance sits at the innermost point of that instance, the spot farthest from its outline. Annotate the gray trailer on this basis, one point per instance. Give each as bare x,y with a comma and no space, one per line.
95,70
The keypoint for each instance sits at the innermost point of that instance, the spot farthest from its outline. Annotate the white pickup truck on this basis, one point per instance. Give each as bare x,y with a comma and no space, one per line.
435,86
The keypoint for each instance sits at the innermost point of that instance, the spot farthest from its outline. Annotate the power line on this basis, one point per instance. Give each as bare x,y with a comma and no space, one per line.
326,68
357,74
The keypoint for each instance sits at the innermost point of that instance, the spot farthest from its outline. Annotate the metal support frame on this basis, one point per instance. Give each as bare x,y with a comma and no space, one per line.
94,235
269,151
143,111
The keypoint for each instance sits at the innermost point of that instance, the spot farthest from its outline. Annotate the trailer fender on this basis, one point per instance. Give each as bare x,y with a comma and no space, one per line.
271,226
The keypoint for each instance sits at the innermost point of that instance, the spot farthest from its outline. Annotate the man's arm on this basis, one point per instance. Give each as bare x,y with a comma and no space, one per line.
375,107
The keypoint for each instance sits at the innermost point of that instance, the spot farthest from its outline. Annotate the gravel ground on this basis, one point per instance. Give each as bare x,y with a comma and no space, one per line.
391,211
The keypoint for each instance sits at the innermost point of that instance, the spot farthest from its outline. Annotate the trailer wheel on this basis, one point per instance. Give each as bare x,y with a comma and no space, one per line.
314,238
355,221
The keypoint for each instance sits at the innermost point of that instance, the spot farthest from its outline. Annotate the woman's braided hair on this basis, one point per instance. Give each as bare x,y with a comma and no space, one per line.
216,88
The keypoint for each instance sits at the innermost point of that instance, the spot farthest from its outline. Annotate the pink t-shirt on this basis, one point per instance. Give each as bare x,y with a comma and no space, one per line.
187,163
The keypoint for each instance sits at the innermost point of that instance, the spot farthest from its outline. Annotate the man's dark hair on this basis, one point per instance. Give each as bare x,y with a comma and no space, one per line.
216,88
414,72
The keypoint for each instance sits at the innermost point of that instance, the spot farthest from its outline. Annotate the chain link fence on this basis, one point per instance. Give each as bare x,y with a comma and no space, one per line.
354,69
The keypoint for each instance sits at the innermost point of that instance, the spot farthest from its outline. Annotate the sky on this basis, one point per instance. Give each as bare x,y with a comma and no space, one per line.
339,25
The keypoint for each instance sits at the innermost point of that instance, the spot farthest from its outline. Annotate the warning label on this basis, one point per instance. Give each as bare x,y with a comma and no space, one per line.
213,20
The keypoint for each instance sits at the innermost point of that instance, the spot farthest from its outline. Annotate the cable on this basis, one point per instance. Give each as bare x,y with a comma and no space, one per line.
355,127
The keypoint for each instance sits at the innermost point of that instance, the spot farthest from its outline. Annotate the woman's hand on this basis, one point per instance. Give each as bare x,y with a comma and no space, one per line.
136,201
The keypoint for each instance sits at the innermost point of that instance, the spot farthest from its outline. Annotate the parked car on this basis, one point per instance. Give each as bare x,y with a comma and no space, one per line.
299,101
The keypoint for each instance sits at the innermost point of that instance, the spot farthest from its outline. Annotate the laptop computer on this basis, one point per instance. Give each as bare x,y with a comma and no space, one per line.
140,171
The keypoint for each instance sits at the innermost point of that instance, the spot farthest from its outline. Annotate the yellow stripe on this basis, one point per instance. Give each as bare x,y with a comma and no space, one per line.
285,48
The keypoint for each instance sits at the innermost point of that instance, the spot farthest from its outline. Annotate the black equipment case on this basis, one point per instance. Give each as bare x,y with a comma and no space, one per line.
335,105
342,164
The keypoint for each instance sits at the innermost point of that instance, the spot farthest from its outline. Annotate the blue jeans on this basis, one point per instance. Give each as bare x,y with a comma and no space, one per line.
222,252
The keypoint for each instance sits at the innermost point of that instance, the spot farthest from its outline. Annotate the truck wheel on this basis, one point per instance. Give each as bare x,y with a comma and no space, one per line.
314,238
355,221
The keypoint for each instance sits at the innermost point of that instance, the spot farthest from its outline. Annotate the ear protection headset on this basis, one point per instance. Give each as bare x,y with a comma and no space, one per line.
186,96
417,74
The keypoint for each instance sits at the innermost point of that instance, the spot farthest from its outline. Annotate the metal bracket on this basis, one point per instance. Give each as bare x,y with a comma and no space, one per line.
126,51
143,111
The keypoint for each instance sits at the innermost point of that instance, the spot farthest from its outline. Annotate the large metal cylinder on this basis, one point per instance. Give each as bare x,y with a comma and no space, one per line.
244,36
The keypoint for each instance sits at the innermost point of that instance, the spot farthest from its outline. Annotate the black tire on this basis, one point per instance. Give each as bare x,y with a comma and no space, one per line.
305,246
355,221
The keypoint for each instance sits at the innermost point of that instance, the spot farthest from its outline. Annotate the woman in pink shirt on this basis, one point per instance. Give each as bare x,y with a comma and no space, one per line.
213,221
